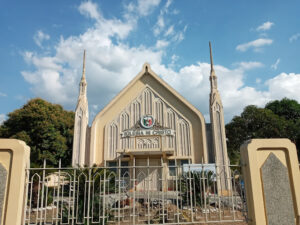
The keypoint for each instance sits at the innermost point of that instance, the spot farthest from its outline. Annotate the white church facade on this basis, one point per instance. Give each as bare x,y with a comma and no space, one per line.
149,120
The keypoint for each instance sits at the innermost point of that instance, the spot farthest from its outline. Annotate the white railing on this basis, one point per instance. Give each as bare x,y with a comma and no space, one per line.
187,194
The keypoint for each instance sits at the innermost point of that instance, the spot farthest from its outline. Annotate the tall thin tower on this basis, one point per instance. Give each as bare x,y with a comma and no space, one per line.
218,130
81,123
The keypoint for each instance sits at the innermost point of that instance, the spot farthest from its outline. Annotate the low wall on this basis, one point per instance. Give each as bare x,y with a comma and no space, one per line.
272,181
14,158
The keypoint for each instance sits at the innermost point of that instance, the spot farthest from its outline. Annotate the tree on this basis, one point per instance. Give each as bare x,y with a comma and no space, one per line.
279,119
290,110
47,128
287,108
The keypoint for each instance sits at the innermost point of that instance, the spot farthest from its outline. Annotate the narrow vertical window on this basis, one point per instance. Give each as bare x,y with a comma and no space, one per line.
147,102
159,112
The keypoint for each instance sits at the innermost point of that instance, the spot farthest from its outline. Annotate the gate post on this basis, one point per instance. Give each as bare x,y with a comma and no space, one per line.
272,181
14,159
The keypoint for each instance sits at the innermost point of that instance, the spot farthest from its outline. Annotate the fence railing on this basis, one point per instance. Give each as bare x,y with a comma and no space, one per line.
179,194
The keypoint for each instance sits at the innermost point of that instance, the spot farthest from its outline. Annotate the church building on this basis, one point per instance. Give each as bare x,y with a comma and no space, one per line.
149,120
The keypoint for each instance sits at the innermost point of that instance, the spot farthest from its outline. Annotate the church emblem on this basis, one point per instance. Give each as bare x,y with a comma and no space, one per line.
147,121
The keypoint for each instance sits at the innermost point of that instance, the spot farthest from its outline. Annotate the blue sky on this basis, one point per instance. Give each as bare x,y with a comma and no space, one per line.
256,47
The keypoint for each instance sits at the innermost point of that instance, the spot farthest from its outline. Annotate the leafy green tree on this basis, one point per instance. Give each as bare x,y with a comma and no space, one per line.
279,119
290,110
47,128
287,108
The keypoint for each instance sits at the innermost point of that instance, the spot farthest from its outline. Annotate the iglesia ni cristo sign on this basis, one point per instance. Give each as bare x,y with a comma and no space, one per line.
147,127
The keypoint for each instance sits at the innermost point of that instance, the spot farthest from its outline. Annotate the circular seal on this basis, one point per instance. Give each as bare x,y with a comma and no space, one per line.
147,121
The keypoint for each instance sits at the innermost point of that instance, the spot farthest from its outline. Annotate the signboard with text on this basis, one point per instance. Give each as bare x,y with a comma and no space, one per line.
162,132
147,127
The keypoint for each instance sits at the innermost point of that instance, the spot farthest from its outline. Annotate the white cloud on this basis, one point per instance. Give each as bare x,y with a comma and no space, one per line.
170,31
179,36
160,24
174,58
141,8
249,65
89,9
145,7
265,26
275,65
2,118
256,44
174,33
2,94
169,2
193,83
294,37
172,64
56,77
284,85
161,44
108,27
39,37
45,62
110,65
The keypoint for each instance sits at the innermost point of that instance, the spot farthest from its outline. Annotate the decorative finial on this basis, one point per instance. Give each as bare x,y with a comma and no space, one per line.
211,58
146,67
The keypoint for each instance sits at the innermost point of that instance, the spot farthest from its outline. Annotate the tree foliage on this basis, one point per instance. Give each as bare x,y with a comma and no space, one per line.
287,108
279,119
47,128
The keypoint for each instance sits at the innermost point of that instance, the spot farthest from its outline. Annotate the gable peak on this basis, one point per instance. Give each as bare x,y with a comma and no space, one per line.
146,67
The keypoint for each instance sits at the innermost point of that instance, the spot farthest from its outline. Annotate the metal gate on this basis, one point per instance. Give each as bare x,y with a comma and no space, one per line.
184,194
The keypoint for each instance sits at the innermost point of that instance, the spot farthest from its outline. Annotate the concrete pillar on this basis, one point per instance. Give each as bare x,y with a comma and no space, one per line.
14,159
272,181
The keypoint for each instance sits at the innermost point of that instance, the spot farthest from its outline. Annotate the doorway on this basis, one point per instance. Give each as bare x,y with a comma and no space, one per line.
148,178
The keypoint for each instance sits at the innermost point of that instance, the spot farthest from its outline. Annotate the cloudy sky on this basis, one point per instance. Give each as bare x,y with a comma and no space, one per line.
256,48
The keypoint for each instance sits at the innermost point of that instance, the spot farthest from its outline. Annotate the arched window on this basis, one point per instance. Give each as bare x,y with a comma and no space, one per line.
136,112
124,121
113,142
172,125
147,101
159,112
79,133
219,133
184,136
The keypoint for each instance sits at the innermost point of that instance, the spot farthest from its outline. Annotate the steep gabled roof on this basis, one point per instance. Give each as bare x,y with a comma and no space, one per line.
146,70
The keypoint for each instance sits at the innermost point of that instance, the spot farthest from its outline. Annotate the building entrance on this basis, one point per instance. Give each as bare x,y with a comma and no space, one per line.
148,174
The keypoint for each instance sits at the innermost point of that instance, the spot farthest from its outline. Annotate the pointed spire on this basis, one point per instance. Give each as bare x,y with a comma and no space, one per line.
211,58
83,67
82,85
213,76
